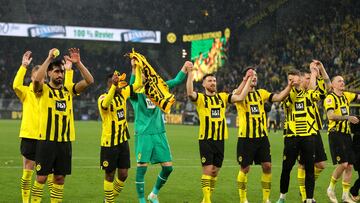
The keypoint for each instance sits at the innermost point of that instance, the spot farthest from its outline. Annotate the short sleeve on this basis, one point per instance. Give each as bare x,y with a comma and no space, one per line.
127,91
199,99
264,94
71,88
350,96
329,103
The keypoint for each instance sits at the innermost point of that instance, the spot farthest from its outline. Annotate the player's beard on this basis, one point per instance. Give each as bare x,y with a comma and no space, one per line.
211,89
58,81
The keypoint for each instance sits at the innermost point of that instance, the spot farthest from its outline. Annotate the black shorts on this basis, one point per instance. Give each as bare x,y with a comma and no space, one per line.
341,148
28,148
320,154
115,157
251,150
53,157
296,146
211,152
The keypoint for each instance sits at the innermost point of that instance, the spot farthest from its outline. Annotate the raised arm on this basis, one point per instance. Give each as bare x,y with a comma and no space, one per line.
87,77
40,74
190,86
324,75
69,73
244,92
180,77
283,94
108,98
18,84
314,74
138,78
239,89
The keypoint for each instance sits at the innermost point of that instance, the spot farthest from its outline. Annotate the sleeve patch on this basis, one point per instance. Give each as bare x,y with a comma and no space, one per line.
328,101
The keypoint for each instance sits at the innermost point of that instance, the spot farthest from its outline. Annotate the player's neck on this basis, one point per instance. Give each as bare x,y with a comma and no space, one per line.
208,93
54,86
338,92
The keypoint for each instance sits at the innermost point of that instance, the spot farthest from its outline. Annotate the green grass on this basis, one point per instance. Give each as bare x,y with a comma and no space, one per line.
86,182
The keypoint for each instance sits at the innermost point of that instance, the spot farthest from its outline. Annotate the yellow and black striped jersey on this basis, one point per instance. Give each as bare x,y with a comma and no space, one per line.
251,114
320,86
112,108
30,106
56,113
340,105
211,110
299,112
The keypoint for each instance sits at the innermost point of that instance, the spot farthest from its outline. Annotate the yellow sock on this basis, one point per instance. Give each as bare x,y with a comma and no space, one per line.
346,187
332,183
118,186
109,191
56,193
50,181
26,185
36,192
266,185
317,172
242,181
205,185
212,183
301,180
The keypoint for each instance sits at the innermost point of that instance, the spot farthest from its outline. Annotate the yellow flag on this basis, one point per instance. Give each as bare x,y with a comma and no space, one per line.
155,87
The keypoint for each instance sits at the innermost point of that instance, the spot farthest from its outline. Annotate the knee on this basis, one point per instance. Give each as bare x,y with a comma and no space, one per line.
59,179
266,167
41,179
320,165
245,169
344,165
123,174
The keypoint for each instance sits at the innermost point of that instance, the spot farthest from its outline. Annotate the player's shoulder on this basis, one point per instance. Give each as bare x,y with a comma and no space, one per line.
102,96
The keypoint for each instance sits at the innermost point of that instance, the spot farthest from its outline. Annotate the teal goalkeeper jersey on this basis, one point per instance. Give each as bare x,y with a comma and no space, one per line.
148,117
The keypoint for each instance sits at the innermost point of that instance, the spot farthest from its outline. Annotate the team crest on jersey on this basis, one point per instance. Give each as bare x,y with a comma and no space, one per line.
299,106
284,158
343,110
240,158
38,167
254,109
60,105
120,114
105,163
215,113
139,156
203,159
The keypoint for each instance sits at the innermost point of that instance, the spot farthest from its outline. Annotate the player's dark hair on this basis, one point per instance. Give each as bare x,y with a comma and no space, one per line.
294,72
248,68
56,63
208,75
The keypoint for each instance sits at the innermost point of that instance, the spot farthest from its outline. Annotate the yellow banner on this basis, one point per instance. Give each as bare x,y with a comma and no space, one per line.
207,35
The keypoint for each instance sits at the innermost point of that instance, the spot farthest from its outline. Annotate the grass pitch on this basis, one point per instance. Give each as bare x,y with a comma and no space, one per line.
86,182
